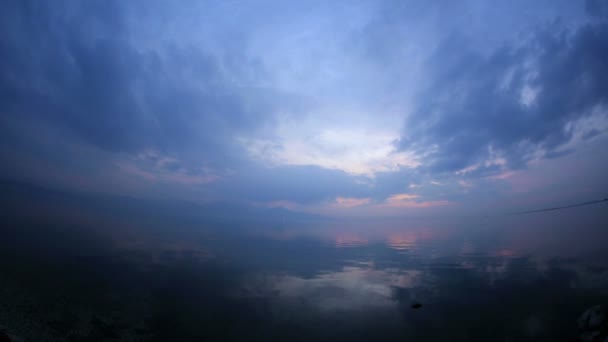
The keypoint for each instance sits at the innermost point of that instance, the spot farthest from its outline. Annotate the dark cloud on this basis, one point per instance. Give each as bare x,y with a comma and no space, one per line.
301,184
77,66
597,8
474,108
73,70
171,111
120,93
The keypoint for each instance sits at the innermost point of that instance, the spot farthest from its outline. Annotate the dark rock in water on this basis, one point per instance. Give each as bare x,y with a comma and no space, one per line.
416,306
593,324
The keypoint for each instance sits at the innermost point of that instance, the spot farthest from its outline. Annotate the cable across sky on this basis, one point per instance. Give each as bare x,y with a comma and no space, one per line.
563,207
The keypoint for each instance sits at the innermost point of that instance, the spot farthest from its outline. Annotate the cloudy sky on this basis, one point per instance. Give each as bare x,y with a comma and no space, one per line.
334,107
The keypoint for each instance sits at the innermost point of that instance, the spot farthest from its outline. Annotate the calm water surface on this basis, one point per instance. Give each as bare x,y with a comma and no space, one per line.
498,278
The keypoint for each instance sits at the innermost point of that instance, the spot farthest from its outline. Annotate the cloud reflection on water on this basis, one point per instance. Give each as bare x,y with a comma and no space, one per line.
162,271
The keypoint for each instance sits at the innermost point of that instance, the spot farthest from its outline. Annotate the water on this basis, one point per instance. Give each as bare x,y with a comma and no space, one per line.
94,275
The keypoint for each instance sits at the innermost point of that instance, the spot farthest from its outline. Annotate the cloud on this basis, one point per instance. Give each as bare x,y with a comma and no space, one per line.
410,201
69,72
351,102
164,107
152,166
357,153
85,69
279,204
350,202
487,112
301,184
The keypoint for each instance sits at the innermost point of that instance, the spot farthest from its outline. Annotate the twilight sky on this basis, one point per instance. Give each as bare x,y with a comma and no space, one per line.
333,107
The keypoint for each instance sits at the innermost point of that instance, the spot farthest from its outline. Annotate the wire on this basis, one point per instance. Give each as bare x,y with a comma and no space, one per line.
559,208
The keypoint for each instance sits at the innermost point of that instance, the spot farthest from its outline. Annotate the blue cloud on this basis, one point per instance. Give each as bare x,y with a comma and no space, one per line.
76,67
511,102
109,90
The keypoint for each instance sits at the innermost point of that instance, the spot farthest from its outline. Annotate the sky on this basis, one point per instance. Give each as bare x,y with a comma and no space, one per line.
340,108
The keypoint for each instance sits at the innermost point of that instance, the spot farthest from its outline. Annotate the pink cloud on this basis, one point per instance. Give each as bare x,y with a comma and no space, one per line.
349,202
409,201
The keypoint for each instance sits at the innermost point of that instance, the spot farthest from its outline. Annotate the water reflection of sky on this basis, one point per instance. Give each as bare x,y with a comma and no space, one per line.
521,277
356,265
351,288
520,264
